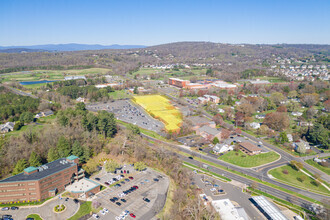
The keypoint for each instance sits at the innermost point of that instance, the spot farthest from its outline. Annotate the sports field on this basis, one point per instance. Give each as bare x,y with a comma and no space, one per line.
161,108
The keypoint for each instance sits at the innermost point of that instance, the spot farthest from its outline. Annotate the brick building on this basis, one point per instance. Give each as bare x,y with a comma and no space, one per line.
178,82
39,183
249,148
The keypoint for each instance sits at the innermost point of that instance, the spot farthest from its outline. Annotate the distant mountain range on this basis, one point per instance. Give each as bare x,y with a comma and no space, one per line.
64,47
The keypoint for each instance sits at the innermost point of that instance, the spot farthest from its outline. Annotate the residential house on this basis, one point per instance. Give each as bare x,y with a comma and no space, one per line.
290,138
221,110
254,125
202,100
81,99
297,114
214,99
296,144
260,116
222,148
5,128
249,148
304,123
209,133
44,114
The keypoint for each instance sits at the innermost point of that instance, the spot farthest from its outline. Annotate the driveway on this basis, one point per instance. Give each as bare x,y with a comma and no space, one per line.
46,210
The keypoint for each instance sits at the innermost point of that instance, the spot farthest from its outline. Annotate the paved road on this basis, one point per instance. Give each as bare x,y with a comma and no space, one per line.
284,155
250,172
46,210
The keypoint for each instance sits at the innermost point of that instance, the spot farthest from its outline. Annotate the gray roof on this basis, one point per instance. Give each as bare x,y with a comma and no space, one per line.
199,120
268,208
209,130
52,167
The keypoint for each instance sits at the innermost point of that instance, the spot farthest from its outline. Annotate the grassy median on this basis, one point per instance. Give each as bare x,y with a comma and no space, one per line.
243,160
297,178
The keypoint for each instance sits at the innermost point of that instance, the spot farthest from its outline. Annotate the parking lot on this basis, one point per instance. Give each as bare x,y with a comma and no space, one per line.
150,185
126,111
229,191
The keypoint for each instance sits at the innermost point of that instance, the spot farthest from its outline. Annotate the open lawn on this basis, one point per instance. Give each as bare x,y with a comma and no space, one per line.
272,79
119,94
161,108
84,209
34,216
318,166
297,178
244,160
37,75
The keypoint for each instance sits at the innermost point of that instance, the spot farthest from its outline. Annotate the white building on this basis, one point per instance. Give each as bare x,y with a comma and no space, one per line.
297,114
254,125
228,211
221,148
74,77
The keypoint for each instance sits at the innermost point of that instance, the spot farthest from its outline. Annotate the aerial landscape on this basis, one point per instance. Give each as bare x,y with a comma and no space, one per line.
171,110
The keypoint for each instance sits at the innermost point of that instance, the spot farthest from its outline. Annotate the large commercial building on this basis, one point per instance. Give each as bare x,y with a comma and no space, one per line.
39,183
178,82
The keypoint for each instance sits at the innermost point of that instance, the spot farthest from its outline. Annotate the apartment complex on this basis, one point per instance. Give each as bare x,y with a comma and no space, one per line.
39,183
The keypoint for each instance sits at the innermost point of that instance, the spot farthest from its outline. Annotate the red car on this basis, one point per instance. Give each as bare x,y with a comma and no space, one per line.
136,187
132,215
106,183
131,177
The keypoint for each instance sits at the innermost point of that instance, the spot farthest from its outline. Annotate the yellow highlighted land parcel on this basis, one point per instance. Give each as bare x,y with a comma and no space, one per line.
160,108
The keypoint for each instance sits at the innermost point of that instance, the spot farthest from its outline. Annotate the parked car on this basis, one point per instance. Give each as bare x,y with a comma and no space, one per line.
96,216
14,208
156,180
132,215
131,178
106,183
98,179
5,209
118,203
123,200
146,199
105,210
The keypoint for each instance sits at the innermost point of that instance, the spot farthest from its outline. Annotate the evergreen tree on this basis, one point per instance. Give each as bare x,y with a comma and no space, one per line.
283,137
64,147
215,141
20,166
81,106
53,154
77,149
34,160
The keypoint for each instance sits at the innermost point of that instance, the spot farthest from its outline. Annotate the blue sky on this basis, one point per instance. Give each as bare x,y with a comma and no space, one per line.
151,22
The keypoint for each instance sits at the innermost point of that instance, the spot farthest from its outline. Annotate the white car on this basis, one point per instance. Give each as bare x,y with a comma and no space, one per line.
102,212
213,189
105,210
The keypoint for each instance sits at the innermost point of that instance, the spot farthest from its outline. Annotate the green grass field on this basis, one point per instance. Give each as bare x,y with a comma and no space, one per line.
244,160
120,94
318,166
84,209
272,79
297,178
34,216
37,75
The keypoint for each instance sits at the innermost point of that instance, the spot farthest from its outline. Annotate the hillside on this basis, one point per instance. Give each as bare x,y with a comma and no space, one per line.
227,57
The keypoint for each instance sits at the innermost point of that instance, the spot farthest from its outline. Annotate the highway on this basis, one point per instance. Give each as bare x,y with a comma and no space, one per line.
285,157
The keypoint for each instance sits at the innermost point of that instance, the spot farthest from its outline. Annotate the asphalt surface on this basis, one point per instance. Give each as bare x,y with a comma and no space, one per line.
155,191
284,155
253,173
126,111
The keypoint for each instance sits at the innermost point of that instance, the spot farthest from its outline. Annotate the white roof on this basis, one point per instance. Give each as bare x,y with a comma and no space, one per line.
227,210
272,211
83,185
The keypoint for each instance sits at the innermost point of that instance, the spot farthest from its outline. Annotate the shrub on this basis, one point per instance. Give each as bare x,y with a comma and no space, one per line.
285,172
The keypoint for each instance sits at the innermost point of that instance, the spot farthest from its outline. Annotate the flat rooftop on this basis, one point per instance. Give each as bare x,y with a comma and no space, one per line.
268,208
43,171
81,186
